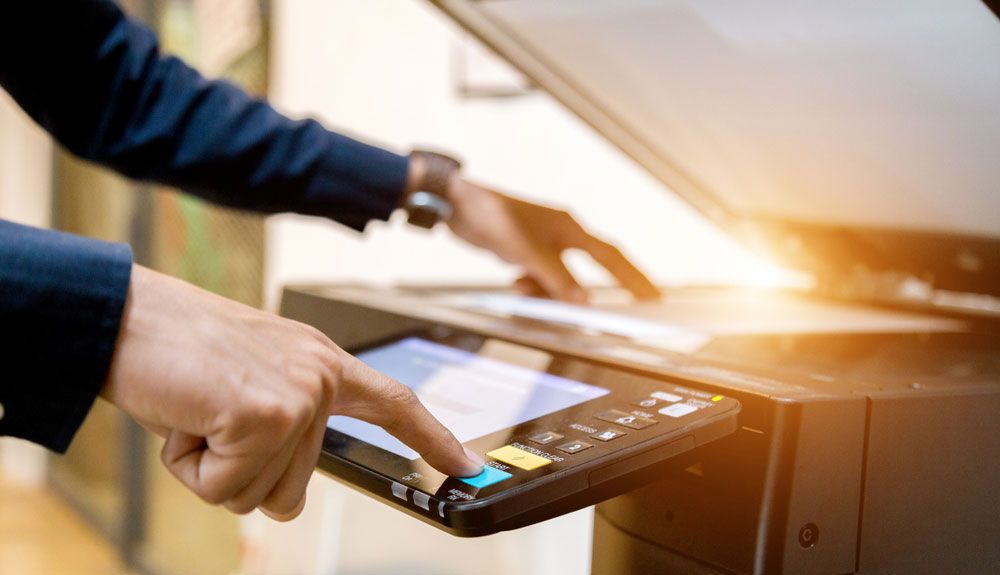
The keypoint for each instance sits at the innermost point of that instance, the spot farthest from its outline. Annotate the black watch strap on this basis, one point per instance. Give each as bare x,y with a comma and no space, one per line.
438,171
430,203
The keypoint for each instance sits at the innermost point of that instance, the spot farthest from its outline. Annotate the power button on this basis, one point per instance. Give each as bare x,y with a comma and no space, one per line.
808,535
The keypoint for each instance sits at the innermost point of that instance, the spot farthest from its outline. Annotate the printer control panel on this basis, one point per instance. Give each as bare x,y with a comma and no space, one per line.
538,419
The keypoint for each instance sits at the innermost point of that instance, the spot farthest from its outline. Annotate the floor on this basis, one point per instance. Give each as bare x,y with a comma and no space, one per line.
40,535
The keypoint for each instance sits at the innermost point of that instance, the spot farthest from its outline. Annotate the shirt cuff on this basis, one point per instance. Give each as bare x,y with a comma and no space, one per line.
61,303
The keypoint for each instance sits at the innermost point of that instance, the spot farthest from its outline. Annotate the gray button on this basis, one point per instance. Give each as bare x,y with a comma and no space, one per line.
1,411
574,447
629,420
399,490
422,500
646,402
608,434
545,438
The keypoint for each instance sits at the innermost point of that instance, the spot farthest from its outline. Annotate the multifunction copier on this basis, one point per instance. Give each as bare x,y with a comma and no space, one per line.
854,141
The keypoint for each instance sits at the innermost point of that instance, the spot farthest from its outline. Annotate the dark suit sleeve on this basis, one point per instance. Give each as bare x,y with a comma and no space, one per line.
61,301
98,83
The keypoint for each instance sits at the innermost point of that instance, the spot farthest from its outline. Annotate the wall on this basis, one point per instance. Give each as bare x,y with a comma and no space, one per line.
25,167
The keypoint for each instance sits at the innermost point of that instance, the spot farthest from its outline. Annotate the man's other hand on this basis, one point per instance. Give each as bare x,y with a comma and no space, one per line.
242,396
534,237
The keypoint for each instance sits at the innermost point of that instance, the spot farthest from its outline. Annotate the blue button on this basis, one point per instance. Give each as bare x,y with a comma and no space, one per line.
489,476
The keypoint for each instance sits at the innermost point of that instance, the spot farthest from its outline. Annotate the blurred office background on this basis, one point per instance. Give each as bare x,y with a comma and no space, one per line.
395,72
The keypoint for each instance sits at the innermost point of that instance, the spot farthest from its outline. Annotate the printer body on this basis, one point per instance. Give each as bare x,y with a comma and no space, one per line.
856,452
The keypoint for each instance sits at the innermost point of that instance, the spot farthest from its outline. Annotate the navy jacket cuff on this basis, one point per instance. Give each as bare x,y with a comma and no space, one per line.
377,176
61,303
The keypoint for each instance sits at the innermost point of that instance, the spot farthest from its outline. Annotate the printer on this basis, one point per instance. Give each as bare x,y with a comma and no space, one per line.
856,142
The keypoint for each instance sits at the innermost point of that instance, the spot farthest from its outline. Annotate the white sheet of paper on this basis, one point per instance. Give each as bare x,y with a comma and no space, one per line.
568,314
690,322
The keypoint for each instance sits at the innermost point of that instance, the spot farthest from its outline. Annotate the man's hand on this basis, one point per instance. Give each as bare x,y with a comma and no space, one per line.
534,237
242,396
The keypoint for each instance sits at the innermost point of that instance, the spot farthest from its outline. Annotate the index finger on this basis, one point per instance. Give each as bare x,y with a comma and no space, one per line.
613,260
370,396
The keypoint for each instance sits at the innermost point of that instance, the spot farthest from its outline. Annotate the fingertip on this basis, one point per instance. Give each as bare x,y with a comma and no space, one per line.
285,517
572,294
456,465
239,508
648,293
470,469
476,463
578,295
527,286
469,464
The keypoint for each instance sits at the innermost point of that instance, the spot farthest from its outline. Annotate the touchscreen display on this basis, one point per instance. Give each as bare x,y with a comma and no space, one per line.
470,394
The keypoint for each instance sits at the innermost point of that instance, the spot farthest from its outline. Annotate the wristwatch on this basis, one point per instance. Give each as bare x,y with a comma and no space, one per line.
430,204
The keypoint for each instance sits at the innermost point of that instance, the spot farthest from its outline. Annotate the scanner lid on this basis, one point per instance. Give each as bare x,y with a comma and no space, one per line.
844,138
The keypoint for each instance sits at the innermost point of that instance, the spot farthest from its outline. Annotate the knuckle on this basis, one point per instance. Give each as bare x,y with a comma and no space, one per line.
167,459
286,517
312,331
315,332
333,364
233,420
275,414
238,507
211,494
401,396
328,371
281,505
312,388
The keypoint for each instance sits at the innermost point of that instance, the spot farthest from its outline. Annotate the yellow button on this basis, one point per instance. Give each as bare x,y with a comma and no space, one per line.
518,457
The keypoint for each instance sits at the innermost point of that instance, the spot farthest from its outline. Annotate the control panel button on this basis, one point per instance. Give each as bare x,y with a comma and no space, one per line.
489,476
647,402
545,438
422,500
611,415
518,458
625,419
678,410
639,423
575,446
664,396
399,490
608,434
